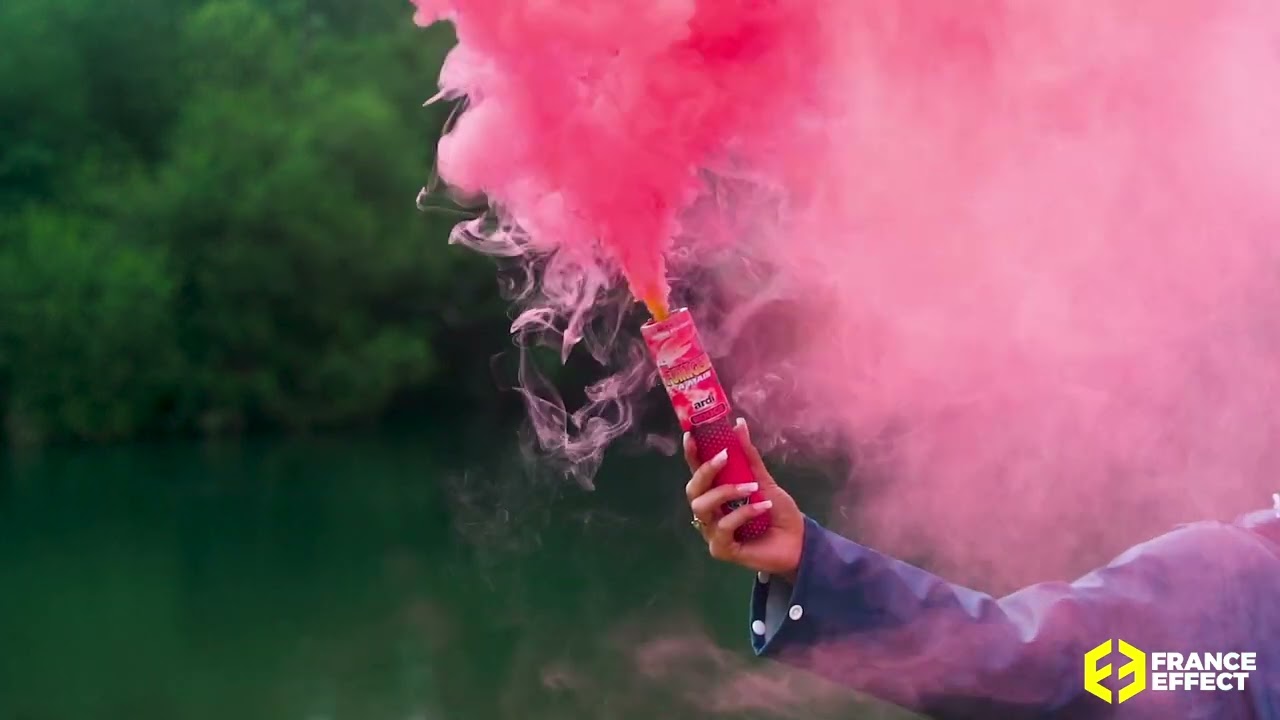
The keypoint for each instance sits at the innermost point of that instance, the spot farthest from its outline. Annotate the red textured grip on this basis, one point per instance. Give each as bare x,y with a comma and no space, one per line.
711,438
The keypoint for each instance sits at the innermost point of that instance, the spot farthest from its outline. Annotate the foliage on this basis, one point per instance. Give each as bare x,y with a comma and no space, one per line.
207,219
86,329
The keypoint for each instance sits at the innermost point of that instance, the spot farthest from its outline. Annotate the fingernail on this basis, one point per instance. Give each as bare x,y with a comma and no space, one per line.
748,487
765,505
742,422
721,456
686,438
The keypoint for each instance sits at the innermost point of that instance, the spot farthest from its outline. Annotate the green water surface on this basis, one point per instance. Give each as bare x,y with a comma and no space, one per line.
420,576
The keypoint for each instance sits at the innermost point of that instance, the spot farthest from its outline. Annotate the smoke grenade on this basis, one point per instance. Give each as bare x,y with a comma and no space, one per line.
702,405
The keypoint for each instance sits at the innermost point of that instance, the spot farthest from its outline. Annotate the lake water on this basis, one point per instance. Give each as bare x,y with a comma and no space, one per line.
420,576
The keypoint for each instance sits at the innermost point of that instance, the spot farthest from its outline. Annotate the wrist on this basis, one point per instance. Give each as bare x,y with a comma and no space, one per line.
794,570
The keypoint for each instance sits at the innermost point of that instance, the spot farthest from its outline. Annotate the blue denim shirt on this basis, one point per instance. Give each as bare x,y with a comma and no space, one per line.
901,634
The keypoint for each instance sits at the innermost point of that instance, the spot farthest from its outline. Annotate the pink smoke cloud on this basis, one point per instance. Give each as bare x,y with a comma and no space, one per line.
1023,257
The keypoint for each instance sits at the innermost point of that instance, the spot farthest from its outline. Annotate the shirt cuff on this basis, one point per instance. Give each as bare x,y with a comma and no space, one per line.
779,615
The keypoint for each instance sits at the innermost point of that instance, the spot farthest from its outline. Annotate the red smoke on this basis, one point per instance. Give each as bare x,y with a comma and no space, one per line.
590,122
1022,255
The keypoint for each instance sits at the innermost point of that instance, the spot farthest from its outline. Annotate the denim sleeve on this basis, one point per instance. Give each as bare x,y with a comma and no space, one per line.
903,635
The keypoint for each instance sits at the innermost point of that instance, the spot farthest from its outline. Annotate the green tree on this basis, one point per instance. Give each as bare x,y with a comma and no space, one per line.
236,178
287,203
86,330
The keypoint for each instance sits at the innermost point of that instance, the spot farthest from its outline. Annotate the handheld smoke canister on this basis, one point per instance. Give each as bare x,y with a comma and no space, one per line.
701,404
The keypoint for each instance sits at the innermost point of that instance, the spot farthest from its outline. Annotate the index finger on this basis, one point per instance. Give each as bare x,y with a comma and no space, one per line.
705,475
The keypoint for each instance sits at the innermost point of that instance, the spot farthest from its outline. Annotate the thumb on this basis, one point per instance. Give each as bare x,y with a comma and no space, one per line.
753,454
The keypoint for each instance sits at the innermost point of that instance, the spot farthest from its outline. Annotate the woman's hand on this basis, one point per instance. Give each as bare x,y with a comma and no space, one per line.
778,551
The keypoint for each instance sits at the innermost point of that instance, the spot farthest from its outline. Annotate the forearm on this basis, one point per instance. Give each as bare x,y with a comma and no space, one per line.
901,634
898,633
